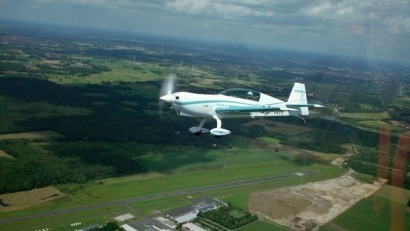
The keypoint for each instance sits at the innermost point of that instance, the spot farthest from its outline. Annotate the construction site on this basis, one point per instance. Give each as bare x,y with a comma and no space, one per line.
309,206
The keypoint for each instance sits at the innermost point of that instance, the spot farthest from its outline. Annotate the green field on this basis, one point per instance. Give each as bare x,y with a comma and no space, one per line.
132,186
175,167
384,210
121,71
190,179
148,208
261,225
377,125
270,140
372,116
63,223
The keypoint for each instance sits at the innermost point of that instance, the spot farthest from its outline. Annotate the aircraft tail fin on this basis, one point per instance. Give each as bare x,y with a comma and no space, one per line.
298,98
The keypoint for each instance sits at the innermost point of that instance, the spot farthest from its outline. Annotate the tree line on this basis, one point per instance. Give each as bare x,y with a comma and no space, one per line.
367,162
59,163
223,216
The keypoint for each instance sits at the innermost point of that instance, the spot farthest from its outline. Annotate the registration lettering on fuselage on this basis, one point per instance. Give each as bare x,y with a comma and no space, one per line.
222,105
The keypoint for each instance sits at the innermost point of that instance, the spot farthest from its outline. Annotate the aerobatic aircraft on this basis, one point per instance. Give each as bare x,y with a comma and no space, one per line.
232,103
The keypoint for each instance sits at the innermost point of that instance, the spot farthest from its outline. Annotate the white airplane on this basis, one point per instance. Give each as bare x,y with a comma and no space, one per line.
233,103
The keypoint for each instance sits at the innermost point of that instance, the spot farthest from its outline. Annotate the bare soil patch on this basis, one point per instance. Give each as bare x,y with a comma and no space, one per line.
311,205
37,135
340,161
5,154
51,62
25,199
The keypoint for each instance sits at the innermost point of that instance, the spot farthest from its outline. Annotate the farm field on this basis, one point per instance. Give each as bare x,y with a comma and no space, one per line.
70,221
176,167
26,199
142,186
191,179
366,116
387,207
261,225
188,174
39,135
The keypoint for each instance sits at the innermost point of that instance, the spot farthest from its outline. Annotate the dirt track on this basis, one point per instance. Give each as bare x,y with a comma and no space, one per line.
31,135
311,205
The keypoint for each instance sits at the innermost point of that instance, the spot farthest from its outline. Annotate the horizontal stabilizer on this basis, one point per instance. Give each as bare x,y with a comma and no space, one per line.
304,105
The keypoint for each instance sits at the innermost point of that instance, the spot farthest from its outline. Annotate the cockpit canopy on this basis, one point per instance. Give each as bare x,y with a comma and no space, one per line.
242,93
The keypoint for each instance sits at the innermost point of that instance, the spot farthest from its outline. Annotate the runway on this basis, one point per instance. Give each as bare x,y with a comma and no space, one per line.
156,196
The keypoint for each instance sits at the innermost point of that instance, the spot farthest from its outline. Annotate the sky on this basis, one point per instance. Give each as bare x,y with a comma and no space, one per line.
366,28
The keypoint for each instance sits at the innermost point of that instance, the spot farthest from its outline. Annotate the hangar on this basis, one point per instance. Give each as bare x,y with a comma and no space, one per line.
189,212
168,220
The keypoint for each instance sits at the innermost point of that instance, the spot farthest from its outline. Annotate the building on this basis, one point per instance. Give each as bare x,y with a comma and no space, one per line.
192,227
170,219
189,212
148,224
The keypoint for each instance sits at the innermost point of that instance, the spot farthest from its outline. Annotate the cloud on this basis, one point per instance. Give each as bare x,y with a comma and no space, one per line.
344,22
72,2
219,9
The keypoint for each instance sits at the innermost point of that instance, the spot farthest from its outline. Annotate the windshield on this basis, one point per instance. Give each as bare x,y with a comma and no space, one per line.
241,93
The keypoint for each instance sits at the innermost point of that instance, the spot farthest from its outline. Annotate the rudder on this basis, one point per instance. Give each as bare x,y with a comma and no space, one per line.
298,96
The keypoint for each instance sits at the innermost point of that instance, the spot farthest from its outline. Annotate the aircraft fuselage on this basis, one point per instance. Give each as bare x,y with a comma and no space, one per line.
205,105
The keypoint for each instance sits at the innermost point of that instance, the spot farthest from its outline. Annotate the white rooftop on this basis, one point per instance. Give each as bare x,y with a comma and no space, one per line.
124,217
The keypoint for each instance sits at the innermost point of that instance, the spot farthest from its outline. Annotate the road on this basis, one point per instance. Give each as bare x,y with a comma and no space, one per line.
156,196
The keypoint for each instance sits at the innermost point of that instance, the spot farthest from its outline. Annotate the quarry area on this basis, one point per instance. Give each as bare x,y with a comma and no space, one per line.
312,205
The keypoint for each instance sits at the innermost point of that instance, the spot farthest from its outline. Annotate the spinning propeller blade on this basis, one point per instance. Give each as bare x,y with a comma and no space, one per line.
167,88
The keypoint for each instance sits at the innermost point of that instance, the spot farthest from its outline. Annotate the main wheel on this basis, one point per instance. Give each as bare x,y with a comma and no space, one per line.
198,133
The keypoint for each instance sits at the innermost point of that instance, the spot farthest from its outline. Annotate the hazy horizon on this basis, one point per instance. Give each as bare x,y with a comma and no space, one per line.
359,29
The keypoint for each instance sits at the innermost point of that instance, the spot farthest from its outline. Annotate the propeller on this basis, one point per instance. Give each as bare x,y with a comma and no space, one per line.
165,93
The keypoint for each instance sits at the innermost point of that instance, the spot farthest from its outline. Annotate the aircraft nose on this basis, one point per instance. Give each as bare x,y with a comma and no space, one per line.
168,98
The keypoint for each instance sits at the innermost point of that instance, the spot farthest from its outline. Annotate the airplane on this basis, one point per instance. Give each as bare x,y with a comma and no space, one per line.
232,103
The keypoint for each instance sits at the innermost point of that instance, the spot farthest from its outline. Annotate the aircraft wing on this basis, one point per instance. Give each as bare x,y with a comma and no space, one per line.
239,110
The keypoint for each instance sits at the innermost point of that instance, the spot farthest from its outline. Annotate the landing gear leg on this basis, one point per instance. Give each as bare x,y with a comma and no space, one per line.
218,125
218,122
304,121
218,132
199,130
202,123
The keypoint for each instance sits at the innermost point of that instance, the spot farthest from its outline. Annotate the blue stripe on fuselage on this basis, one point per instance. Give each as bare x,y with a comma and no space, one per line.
211,101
